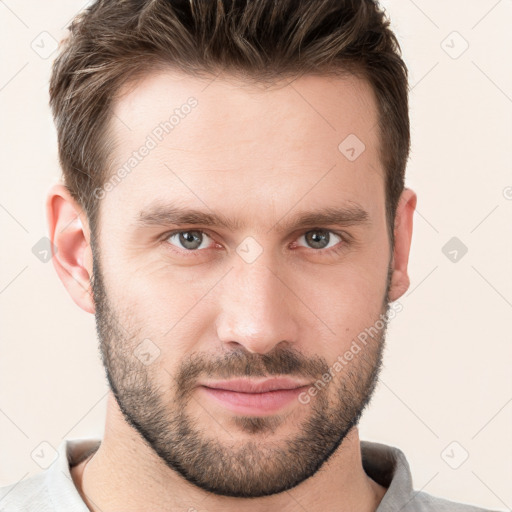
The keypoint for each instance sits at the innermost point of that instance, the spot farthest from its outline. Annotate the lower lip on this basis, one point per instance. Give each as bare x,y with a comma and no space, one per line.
254,403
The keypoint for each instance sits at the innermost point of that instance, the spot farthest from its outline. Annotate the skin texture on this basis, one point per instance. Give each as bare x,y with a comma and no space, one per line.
258,156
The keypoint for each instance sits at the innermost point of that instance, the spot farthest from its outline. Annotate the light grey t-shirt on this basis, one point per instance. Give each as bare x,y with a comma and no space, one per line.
53,490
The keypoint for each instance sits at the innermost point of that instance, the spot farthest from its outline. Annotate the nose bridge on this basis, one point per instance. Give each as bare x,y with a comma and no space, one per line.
256,311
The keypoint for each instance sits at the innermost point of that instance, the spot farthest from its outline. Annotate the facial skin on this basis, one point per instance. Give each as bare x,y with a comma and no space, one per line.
259,157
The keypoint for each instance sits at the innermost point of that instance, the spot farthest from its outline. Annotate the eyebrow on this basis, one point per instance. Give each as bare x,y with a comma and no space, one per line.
163,215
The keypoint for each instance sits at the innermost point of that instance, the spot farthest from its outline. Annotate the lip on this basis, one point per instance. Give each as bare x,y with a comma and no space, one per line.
255,385
250,397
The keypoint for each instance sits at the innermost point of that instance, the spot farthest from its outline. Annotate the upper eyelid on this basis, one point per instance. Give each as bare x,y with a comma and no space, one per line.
168,234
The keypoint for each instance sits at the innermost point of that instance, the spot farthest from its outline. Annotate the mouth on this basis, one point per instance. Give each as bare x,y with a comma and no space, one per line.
252,397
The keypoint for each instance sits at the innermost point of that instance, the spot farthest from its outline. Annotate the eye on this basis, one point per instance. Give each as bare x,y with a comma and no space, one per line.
321,238
190,240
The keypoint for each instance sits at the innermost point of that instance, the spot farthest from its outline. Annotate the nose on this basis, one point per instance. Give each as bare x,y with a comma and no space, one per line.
257,308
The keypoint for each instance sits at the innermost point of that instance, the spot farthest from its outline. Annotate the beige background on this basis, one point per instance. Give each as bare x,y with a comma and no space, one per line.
447,374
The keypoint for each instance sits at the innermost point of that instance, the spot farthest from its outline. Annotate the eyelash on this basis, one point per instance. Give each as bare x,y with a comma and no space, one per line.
339,247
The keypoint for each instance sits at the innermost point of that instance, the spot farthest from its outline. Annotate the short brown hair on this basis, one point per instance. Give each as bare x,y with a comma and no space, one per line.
114,42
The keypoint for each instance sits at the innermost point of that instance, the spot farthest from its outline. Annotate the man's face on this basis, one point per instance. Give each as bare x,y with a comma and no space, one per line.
259,297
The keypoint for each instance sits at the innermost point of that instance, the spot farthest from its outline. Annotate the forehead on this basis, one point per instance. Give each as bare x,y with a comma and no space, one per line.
227,140
321,106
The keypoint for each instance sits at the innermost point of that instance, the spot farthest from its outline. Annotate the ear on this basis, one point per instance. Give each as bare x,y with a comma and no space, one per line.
69,233
403,234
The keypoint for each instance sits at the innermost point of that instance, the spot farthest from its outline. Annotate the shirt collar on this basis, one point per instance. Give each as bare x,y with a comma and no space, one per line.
58,479
388,466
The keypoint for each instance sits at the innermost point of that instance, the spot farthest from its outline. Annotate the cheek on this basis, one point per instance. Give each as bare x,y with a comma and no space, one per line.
157,288
170,310
349,302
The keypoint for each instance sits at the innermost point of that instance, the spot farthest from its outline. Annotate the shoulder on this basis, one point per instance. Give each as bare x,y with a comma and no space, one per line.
424,502
388,466
28,495
52,489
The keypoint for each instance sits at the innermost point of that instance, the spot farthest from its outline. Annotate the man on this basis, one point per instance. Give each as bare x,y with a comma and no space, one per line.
234,214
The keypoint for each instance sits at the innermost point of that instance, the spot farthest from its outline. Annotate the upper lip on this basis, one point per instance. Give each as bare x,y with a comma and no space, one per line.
255,386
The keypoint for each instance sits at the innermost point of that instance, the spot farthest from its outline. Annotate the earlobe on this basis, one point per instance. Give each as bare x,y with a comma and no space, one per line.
403,235
69,233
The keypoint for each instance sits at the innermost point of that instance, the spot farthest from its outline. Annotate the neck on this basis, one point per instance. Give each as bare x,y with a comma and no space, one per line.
139,480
